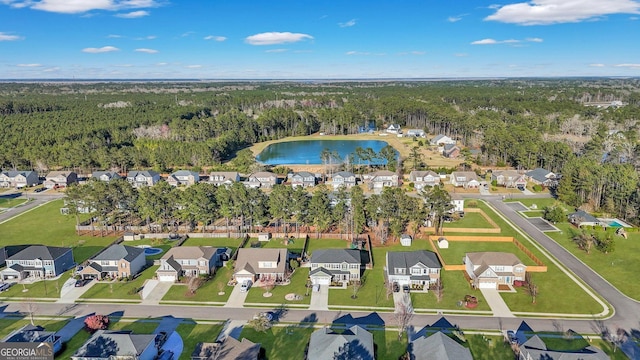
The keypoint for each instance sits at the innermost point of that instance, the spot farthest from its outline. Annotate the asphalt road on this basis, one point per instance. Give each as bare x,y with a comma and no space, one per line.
37,199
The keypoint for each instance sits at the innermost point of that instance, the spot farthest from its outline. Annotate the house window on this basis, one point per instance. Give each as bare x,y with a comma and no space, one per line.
399,270
416,271
123,265
499,268
202,263
519,269
433,271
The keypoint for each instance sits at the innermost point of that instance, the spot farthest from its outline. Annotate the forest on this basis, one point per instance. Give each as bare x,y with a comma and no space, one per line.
563,125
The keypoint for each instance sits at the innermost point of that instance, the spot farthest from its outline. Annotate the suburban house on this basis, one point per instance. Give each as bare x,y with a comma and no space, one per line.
218,178
8,251
439,346
415,133
344,179
394,129
183,178
105,176
421,179
380,179
458,203
451,151
38,261
413,268
109,344
35,334
302,178
190,261
465,179
540,176
116,261
142,178
509,179
582,218
254,264
489,270
18,179
228,349
262,179
337,265
60,179
535,348
441,140
352,343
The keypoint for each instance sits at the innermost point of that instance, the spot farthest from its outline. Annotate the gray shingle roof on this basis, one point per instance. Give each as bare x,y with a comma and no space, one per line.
229,349
336,256
538,174
185,173
585,216
40,252
439,346
117,252
493,258
324,344
29,333
537,349
407,259
122,343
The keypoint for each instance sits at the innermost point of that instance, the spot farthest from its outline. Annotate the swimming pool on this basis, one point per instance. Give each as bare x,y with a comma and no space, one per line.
152,251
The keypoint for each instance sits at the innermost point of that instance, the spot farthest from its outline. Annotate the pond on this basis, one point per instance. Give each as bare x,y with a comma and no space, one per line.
308,151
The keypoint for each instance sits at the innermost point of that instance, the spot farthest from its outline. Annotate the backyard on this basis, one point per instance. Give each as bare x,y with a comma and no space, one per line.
470,220
455,254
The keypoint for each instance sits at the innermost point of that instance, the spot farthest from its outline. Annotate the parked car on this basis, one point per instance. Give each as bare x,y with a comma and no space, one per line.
245,286
396,287
5,286
39,190
405,288
82,282
267,315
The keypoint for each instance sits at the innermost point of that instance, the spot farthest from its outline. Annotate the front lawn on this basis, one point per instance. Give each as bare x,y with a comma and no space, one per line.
455,254
387,344
280,343
11,202
192,334
541,203
485,347
455,289
297,286
7,325
470,220
209,291
126,290
39,289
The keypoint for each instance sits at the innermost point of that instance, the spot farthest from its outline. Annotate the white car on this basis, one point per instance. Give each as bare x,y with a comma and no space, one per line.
244,287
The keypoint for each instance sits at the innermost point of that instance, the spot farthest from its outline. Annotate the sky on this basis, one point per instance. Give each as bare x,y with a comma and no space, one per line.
305,39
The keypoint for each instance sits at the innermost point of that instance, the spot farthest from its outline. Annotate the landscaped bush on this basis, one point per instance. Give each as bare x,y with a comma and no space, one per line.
471,204
96,322
537,188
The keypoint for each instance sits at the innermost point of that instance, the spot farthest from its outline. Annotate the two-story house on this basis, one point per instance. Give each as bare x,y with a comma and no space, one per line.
262,179
38,261
18,179
394,129
142,178
190,261
60,179
465,179
303,178
117,345
380,179
344,179
105,176
227,349
218,178
489,270
413,268
540,176
450,151
441,140
421,179
352,343
509,179
116,261
337,265
35,334
254,264
183,178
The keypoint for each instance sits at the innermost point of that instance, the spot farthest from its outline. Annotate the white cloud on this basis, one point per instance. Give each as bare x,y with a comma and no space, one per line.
7,37
276,50
357,53
188,33
133,14
546,12
193,66
456,18
272,38
29,65
52,69
634,66
149,37
349,23
81,6
538,40
512,42
114,36
162,64
103,49
596,65
215,38
148,51
485,42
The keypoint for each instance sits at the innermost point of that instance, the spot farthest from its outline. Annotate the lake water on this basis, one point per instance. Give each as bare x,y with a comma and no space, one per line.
308,151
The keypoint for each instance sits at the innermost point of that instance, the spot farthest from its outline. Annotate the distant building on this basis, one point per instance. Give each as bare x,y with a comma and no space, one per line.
183,178
422,179
262,179
465,179
541,176
105,176
60,179
18,179
218,178
142,178
344,179
303,178
441,140
394,129
415,133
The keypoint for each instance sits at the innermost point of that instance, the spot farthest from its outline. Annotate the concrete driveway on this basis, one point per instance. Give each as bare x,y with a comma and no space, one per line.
496,303
401,299
320,299
69,293
237,298
155,291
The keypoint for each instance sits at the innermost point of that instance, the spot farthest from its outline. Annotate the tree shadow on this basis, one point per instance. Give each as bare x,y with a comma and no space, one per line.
348,320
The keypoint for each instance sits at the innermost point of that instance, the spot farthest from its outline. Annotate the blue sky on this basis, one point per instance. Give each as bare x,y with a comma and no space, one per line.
237,39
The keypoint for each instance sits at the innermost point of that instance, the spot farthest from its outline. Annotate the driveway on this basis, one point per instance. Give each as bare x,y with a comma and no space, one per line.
70,293
231,328
237,298
320,299
401,299
155,293
496,303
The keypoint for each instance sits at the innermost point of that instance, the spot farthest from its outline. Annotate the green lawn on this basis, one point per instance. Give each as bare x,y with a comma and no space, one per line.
297,285
541,203
280,343
40,289
45,225
207,292
294,246
488,347
9,325
532,213
120,289
11,202
617,267
70,347
327,244
233,243
192,334
164,244
387,344
457,250
455,289
470,220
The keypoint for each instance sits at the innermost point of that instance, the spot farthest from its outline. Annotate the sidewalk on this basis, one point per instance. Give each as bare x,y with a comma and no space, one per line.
496,303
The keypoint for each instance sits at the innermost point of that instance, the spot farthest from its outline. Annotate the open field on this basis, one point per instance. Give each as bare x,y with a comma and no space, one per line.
470,220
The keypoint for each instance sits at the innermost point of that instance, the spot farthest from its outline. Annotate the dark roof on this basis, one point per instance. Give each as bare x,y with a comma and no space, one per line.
538,174
325,344
344,174
14,173
117,252
536,348
333,256
304,174
40,252
439,346
229,349
407,259
8,251
29,333
106,343
110,174
146,173
585,216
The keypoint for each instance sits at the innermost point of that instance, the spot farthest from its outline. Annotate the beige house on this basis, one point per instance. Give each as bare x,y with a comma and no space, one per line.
60,179
489,270
228,349
254,264
465,179
262,179
116,261
422,179
183,178
190,261
380,179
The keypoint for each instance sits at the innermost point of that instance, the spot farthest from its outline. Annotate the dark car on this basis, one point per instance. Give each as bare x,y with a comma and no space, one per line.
396,287
39,190
82,282
5,286
405,288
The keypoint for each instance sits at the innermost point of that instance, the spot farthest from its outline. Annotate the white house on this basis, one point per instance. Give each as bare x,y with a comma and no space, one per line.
465,179
394,129
421,179
441,140
415,133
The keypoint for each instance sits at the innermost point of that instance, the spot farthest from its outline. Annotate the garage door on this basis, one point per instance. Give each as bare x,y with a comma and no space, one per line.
488,285
321,280
167,278
243,279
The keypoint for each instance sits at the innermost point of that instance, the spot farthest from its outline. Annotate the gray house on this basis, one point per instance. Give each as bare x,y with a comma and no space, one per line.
535,348
253,264
228,349
116,261
413,268
262,179
112,345
60,179
509,178
18,179
421,179
218,178
337,265
190,261
303,178
381,179
138,178
38,261
343,178
438,346
353,343
35,334
105,176
183,178
541,176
